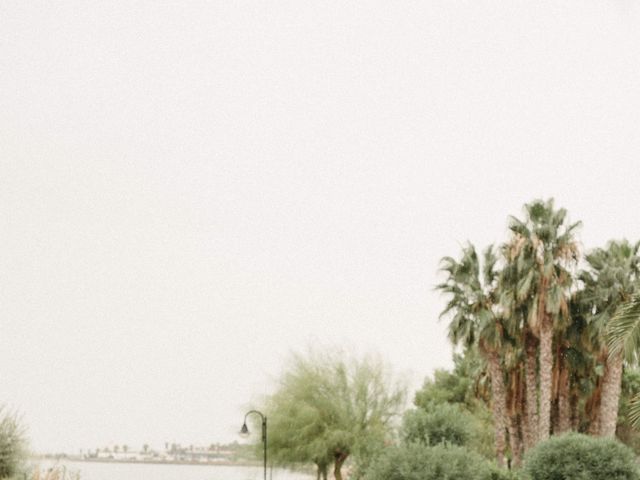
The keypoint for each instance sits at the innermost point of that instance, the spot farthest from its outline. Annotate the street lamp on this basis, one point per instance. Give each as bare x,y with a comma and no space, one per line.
244,432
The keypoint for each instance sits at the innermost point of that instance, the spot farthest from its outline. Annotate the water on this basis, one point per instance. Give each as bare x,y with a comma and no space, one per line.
142,471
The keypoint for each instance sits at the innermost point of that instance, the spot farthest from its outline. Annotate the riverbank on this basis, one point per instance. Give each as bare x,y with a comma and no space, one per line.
221,463
119,470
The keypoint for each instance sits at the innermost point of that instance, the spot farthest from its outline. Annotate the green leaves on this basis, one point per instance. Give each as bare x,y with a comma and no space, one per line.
523,288
634,412
329,403
12,444
623,331
471,288
576,456
612,278
419,462
439,423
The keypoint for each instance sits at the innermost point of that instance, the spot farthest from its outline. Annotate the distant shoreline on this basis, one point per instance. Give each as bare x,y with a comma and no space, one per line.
224,463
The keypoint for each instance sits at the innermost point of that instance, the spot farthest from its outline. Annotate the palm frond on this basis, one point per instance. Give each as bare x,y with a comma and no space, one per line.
634,411
623,331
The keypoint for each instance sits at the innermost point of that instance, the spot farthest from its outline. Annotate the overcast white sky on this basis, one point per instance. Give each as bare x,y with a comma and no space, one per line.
189,190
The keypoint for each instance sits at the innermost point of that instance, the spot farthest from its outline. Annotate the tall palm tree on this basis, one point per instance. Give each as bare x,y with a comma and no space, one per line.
472,303
544,251
577,366
513,310
610,281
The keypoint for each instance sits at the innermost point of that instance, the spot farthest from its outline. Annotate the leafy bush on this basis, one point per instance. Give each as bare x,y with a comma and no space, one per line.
12,444
446,387
472,424
497,473
580,457
419,462
444,423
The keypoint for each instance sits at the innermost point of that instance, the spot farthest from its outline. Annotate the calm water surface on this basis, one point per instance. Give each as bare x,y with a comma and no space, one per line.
138,471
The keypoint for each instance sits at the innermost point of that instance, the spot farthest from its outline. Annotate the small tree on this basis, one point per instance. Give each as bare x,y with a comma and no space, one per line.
443,423
330,406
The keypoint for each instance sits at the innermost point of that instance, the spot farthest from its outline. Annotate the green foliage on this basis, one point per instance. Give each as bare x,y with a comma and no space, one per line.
630,389
461,386
463,389
497,473
623,333
419,462
482,432
580,457
329,406
443,423
446,387
12,444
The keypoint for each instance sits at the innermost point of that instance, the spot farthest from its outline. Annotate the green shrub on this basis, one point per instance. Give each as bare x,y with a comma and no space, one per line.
444,423
497,473
420,462
445,387
12,444
580,457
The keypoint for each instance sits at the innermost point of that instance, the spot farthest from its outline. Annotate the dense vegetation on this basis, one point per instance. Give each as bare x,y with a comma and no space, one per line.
540,314
547,337
544,377
416,461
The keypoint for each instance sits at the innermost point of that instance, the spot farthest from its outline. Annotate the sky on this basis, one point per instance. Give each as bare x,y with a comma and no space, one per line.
189,191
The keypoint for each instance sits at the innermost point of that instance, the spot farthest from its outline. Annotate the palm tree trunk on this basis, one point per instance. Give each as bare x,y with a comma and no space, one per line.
564,403
499,405
574,398
555,390
546,369
592,407
514,398
514,441
611,386
530,425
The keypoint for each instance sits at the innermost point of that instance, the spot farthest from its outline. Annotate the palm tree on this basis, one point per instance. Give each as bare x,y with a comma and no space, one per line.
544,250
610,281
623,338
576,378
475,322
513,305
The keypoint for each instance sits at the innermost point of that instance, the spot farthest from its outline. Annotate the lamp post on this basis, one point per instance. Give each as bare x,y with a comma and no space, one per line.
244,431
